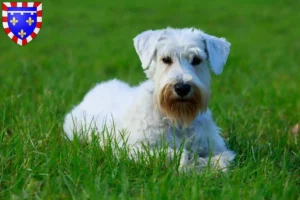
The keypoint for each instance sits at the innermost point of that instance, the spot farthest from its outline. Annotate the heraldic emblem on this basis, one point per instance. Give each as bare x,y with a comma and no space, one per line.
22,21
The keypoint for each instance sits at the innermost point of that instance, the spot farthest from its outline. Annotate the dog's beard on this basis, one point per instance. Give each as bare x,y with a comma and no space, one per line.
182,110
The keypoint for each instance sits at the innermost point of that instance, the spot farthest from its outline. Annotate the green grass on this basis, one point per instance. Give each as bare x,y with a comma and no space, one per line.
256,101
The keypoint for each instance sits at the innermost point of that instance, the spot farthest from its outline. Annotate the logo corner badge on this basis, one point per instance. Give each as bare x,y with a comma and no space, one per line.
22,21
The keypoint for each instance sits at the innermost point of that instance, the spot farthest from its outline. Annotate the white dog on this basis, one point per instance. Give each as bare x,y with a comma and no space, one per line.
171,106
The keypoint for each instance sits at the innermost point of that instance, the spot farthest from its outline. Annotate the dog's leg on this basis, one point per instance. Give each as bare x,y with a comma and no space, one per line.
187,160
219,162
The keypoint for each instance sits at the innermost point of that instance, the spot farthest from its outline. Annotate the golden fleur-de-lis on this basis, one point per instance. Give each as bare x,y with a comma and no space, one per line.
29,21
22,33
14,21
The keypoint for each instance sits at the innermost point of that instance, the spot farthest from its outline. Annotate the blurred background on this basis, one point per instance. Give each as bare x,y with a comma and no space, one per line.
85,42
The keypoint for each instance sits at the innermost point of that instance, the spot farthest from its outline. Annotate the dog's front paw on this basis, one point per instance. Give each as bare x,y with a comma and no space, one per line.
222,160
189,163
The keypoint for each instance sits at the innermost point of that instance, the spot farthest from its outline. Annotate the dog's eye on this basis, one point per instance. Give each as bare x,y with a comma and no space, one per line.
167,60
196,61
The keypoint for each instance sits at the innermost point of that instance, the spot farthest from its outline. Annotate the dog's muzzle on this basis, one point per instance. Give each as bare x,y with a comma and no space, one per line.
181,102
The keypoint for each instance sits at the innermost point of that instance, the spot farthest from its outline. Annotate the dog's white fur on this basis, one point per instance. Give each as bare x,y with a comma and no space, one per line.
151,112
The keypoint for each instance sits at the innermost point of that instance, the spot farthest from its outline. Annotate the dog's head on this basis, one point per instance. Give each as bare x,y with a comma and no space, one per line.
177,61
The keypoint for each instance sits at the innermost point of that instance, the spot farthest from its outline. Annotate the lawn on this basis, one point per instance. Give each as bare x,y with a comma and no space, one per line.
256,101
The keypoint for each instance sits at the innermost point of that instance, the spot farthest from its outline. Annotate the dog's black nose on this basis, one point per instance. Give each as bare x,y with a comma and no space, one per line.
182,89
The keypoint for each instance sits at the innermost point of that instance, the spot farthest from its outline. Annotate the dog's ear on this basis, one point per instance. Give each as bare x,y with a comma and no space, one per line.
218,51
144,44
